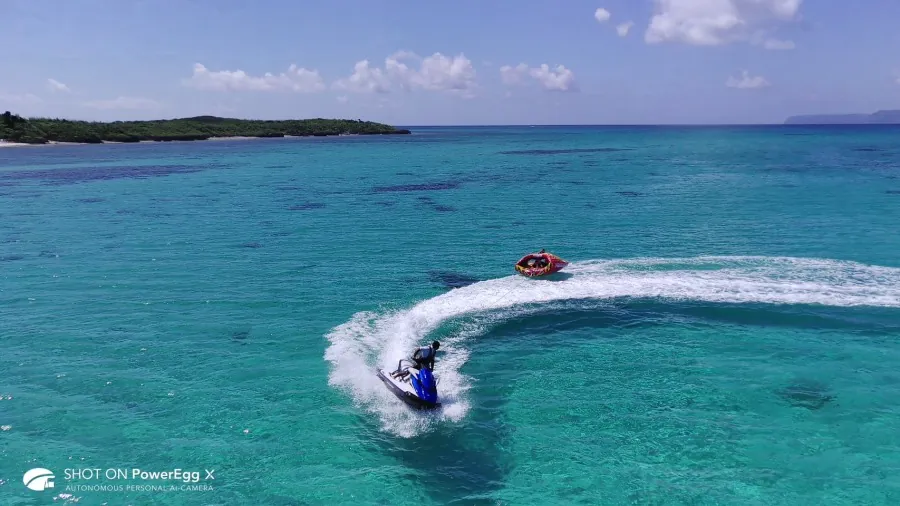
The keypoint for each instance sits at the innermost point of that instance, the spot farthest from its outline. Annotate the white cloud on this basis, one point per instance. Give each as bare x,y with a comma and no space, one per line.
441,73
435,73
296,79
778,44
602,15
23,99
55,85
624,28
715,22
404,55
558,79
513,75
761,38
365,79
123,103
746,82
785,9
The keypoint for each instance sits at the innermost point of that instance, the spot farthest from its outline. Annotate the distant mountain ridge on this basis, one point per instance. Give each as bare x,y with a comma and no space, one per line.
885,117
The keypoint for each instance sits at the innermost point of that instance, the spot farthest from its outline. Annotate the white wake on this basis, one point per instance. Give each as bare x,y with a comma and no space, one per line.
381,339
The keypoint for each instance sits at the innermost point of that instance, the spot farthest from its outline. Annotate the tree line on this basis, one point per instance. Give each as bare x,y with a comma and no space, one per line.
15,128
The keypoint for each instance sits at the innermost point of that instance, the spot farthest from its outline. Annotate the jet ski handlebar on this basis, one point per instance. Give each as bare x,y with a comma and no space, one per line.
400,363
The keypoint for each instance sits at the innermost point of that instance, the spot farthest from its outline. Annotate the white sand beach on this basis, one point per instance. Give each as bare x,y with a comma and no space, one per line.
5,144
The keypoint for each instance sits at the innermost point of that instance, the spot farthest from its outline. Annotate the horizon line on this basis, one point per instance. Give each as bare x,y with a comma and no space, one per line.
637,125
487,125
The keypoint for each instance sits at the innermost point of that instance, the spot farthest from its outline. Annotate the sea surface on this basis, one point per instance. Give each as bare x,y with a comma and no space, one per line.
728,332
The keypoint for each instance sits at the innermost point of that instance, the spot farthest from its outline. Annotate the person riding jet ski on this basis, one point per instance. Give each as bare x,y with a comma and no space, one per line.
415,384
423,357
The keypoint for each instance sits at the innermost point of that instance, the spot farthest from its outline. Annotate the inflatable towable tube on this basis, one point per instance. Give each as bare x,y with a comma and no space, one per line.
540,264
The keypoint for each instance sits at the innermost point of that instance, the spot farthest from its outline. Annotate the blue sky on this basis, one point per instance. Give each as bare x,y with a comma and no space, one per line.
460,62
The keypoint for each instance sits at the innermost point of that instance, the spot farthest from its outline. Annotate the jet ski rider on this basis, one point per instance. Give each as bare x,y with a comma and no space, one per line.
422,357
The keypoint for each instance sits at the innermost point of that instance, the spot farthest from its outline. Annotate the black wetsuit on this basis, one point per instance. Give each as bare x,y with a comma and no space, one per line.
421,358
424,357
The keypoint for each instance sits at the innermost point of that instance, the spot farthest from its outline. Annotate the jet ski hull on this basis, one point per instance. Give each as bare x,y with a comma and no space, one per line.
405,392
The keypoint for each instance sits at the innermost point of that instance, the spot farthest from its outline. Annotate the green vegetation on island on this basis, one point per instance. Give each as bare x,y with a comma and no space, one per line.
14,128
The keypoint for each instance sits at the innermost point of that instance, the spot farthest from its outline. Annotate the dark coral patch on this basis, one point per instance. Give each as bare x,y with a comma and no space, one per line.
74,175
307,206
451,279
811,395
417,187
437,207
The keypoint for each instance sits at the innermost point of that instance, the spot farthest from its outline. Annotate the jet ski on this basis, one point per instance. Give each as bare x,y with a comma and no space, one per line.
539,264
418,389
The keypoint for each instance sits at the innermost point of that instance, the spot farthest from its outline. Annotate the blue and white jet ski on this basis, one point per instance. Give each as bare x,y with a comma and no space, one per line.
418,388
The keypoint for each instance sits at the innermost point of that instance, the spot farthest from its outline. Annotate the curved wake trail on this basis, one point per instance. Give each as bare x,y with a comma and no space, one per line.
372,339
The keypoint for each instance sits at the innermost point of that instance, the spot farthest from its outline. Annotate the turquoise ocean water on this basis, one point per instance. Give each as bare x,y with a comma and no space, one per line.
727,332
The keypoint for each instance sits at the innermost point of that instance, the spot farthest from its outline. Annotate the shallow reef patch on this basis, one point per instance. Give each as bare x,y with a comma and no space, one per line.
306,207
451,279
450,185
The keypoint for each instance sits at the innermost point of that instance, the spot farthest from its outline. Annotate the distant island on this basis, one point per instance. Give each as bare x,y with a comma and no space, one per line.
16,129
878,118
